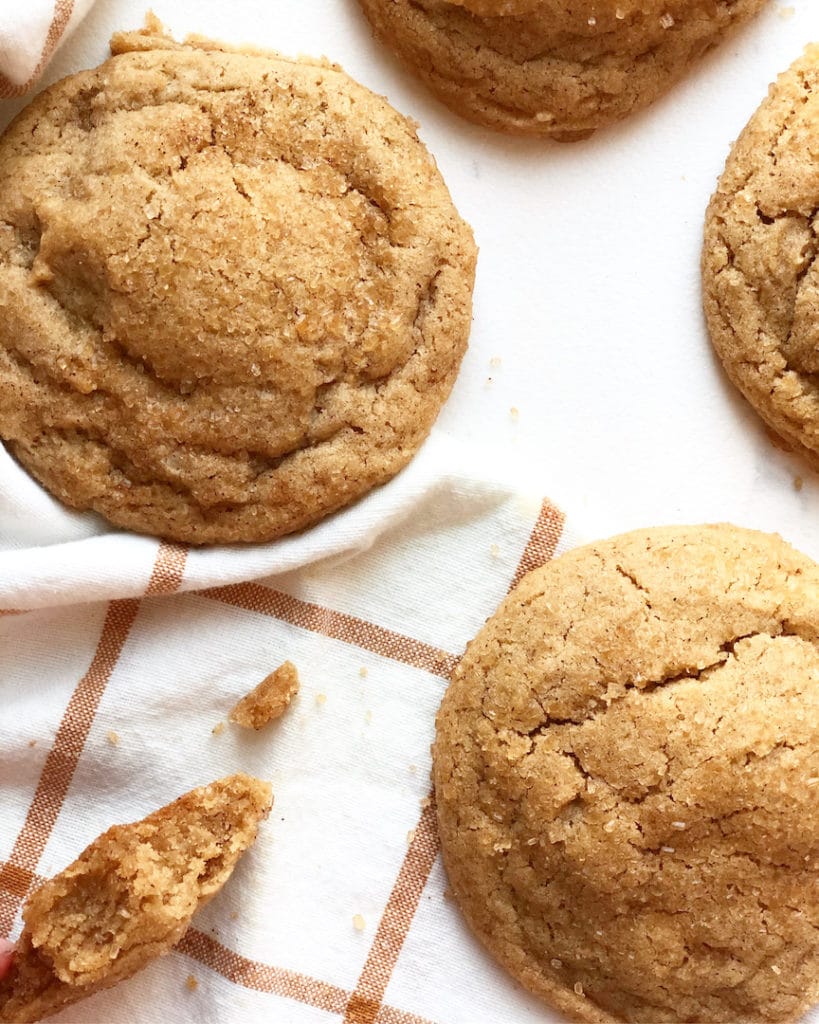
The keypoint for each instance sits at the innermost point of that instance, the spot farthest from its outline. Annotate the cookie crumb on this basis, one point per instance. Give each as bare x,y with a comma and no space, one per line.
412,769
358,923
410,836
775,969
667,20
218,729
426,802
363,672
32,743
192,983
113,738
798,483
514,412
269,700
321,699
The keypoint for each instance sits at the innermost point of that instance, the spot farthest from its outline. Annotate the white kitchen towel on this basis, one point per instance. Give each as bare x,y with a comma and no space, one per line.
339,911
30,32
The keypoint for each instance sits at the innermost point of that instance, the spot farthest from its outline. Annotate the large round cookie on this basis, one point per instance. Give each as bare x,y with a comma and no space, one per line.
760,276
561,68
627,776
234,291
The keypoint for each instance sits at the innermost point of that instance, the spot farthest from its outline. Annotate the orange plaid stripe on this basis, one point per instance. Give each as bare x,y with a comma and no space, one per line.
542,542
253,597
261,977
63,9
168,570
365,1002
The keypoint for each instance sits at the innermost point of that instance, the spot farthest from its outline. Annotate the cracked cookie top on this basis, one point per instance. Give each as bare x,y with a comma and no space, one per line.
234,289
627,776
561,68
760,275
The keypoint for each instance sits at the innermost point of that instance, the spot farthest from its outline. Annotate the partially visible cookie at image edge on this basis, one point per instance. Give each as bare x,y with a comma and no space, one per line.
561,68
626,771
760,275
234,290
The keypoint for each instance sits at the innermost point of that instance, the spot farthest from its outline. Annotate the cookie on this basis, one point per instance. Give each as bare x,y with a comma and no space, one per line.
234,290
626,771
760,276
562,68
129,897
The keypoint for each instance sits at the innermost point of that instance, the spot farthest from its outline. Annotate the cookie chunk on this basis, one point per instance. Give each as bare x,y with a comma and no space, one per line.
129,897
269,700
626,770
561,68
760,275
234,290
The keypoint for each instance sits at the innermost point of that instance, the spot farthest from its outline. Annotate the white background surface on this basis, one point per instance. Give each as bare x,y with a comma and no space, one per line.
588,281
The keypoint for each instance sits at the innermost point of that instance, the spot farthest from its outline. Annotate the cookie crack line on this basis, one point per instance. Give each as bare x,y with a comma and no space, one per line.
213,142
808,382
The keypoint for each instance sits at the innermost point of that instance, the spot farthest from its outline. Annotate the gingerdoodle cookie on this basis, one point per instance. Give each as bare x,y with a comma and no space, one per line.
561,68
626,771
129,897
760,275
234,290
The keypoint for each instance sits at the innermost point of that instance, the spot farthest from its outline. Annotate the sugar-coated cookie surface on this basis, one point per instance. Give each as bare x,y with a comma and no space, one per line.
234,290
627,777
561,68
129,897
760,276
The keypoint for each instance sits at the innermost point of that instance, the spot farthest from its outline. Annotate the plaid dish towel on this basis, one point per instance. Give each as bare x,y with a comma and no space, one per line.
119,656
30,32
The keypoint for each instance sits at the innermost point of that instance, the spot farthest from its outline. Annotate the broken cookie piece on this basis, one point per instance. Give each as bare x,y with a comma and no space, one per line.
269,700
129,897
